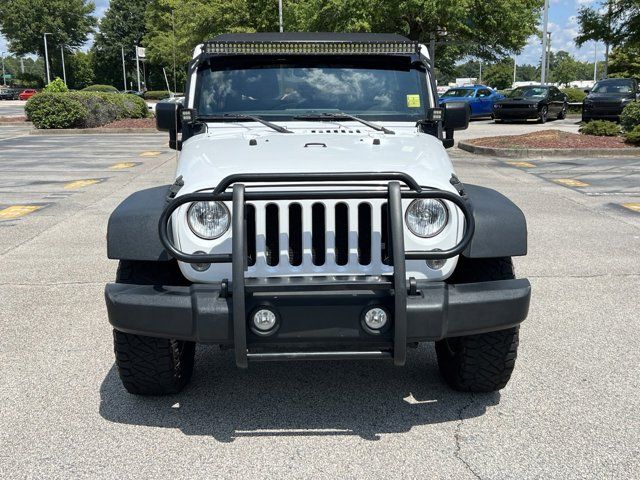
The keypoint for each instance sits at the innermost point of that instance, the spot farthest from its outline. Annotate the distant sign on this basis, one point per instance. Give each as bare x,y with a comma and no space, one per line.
8,76
142,52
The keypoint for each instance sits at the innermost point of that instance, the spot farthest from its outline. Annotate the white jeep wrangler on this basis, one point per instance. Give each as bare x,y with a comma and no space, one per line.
315,215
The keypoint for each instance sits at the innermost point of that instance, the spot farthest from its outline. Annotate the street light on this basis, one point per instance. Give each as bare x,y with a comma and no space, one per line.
46,57
280,15
545,27
4,77
64,71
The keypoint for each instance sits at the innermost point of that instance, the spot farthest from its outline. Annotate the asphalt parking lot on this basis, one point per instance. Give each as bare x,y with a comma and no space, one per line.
570,410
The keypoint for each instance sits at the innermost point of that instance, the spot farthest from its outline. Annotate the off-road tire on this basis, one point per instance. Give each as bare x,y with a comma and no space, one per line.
149,365
483,362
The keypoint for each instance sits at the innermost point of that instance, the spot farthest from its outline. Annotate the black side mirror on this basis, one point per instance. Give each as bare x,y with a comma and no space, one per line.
456,117
587,91
167,118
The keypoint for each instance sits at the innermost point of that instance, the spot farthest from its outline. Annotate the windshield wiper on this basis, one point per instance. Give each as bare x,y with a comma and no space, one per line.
344,116
234,116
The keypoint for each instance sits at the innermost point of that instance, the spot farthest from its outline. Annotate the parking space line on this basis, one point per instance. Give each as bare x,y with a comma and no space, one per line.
570,182
634,207
76,184
150,154
521,164
123,165
17,211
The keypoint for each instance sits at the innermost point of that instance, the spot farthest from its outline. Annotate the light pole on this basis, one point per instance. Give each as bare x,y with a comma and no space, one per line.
545,26
595,62
138,68
548,55
280,15
46,58
124,72
64,70
4,78
515,63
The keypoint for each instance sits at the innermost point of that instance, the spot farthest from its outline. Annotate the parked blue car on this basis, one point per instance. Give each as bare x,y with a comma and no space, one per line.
479,97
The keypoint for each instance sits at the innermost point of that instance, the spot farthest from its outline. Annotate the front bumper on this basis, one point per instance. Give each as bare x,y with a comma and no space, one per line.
319,314
515,113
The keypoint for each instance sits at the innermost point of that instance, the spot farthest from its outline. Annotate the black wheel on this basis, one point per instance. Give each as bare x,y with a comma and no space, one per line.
563,112
484,362
543,114
149,365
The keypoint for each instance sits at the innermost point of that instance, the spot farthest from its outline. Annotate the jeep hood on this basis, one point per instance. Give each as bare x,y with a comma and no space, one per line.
208,158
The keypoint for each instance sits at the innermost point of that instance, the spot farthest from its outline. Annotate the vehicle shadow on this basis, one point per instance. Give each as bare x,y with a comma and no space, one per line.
298,399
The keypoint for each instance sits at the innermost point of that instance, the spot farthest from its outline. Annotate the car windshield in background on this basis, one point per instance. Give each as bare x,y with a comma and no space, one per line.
458,93
614,86
528,92
288,89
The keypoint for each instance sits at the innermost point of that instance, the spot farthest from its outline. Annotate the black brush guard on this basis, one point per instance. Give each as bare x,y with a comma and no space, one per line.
399,286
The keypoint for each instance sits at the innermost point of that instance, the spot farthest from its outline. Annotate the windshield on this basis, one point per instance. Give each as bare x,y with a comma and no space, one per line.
614,86
458,93
283,89
528,92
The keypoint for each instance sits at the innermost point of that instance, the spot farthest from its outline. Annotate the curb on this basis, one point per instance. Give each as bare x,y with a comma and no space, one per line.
549,152
91,131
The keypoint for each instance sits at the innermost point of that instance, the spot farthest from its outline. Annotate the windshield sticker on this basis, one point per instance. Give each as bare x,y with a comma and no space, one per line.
413,101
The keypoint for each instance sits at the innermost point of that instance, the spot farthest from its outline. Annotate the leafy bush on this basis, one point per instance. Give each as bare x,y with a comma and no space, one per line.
574,95
100,88
633,135
55,110
600,128
97,109
630,116
156,94
57,86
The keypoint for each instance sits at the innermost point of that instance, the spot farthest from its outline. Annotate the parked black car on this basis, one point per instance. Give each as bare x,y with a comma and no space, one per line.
532,102
9,93
608,97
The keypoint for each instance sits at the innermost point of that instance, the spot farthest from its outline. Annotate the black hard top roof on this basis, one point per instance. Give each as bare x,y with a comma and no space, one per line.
310,37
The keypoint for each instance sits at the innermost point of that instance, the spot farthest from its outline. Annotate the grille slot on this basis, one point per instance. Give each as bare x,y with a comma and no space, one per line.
295,234
384,233
251,235
342,234
318,229
364,234
272,235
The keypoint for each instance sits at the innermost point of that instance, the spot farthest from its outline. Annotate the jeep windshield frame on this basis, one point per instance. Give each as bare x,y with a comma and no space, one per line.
375,88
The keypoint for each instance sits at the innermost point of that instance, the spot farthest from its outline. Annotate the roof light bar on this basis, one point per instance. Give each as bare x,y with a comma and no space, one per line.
314,48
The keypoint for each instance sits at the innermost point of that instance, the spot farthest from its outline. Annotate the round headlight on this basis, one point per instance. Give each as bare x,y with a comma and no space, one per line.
426,217
208,220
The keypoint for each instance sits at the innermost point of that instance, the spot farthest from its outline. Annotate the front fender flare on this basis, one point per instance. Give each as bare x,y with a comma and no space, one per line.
501,228
132,232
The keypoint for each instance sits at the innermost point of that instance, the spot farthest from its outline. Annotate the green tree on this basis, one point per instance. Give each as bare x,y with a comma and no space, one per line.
527,73
624,62
499,75
80,70
24,22
613,22
122,27
486,30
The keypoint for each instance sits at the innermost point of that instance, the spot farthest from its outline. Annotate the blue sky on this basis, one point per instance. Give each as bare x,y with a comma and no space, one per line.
562,24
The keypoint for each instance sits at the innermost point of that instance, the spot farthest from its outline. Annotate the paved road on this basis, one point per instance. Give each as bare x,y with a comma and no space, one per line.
11,108
570,410
487,128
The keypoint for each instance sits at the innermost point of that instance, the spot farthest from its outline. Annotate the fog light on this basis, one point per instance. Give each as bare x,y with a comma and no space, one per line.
264,321
376,318
200,267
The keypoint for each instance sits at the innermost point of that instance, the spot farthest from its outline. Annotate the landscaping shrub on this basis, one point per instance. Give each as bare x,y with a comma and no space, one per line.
630,116
57,86
157,94
97,109
100,88
633,135
574,95
55,110
600,128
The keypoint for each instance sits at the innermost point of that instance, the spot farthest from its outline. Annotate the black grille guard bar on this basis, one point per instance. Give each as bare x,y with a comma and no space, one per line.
238,257
219,194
